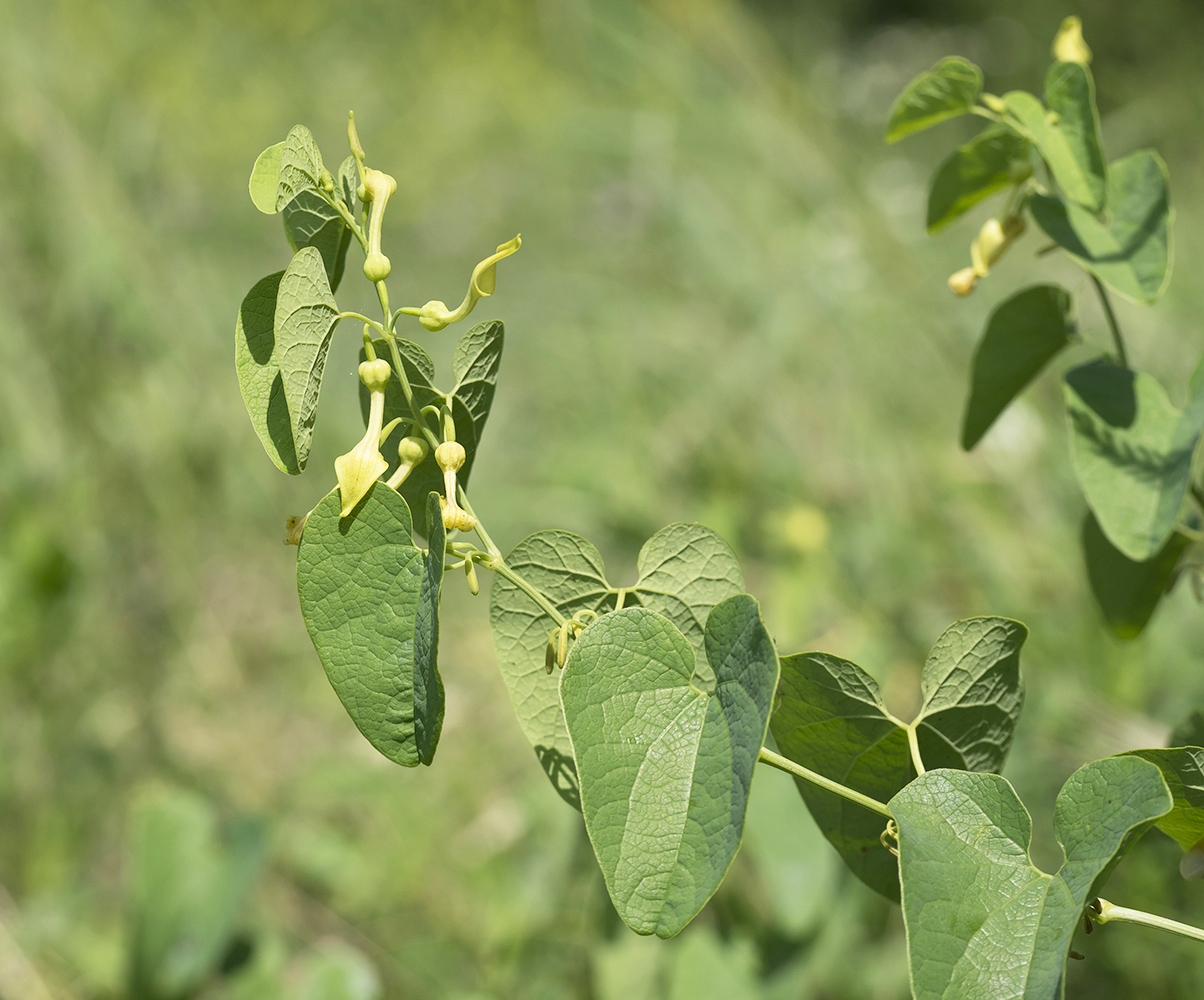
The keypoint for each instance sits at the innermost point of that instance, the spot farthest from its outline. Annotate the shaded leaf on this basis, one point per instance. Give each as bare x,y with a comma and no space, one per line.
309,221
475,367
1189,732
265,176
831,719
370,601
1132,454
1183,771
982,920
947,90
666,768
300,166
973,172
1023,334
1128,248
259,377
1126,591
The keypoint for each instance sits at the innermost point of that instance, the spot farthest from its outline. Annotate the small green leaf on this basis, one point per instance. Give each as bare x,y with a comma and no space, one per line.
265,176
1082,170
975,171
305,318
475,366
1023,334
666,768
300,166
1183,771
370,600
188,885
1127,592
947,90
684,571
831,719
1189,732
982,920
1132,454
259,378
1128,248
309,221
972,695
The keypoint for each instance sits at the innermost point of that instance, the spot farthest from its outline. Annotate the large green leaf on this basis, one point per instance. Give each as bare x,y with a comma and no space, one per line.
1183,771
972,695
1126,591
300,166
982,921
665,767
1132,454
189,880
831,719
259,376
370,600
1128,247
947,90
973,172
265,176
1023,334
684,571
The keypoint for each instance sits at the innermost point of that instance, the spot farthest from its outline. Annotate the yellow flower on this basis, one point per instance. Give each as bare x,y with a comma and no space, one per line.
435,315
364,464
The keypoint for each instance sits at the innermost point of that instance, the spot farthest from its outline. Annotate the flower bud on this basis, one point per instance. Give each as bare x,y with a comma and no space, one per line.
962,282
412,450
375,374
1068,44
450,456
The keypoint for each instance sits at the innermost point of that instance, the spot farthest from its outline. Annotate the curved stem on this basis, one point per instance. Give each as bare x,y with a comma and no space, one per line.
498,565
363,319
913,744
407,391
767,756
462,500
1103,912
1117,339
337,204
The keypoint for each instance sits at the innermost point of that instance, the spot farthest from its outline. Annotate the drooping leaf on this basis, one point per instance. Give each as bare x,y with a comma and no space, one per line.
189,880
1023,334
972,695
973,172
982,920
305,318
370,601
1131,452
1127,592
300,166
831,719
665,768
1189,732
265,176
259,378
1128,247
947,90
1183,771
309,221
684,571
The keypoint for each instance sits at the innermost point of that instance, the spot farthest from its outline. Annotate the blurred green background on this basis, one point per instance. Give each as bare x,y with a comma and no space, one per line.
725,310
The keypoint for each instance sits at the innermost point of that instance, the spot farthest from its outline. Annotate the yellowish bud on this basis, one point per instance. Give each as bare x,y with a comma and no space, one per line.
992,241
962,282
375,374
1068,44
293,528
364,464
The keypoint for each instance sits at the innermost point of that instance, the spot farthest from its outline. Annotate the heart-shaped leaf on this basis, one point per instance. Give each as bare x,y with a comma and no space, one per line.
1127,592
982,920
831,719
1023,334
665,767
973,172
1132,454
947,90
300,166
310,220
259,376
1127,248
370,600
1183,771
684,571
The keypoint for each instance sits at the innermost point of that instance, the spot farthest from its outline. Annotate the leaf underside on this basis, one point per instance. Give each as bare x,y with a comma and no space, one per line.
947,90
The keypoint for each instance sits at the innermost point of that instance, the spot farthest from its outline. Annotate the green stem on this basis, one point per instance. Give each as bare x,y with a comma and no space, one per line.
407,391
337,204
363,319
1103,912
498,565
462,500
1117,339
913,744
767,756
382,293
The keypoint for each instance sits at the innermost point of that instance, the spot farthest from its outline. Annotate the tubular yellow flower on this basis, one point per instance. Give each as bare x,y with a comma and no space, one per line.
435,315
376,189
1068,44
450,457
410,453
363,465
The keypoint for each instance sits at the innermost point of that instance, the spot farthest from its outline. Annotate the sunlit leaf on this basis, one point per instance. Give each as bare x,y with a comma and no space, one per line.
973,172
1183,771
947,90
265,176
300,166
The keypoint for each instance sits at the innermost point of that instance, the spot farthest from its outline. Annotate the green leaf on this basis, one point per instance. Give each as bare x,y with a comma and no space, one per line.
188,885
666,768
947,90
335,971
305,318
1073,138
684,571
1132,454
300,166
259,376
475,366
1023,334
1128,247
1126,591
982,920
370,600
972,695
265,176
1189,732
831,719
1183,771
309,221
975,171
